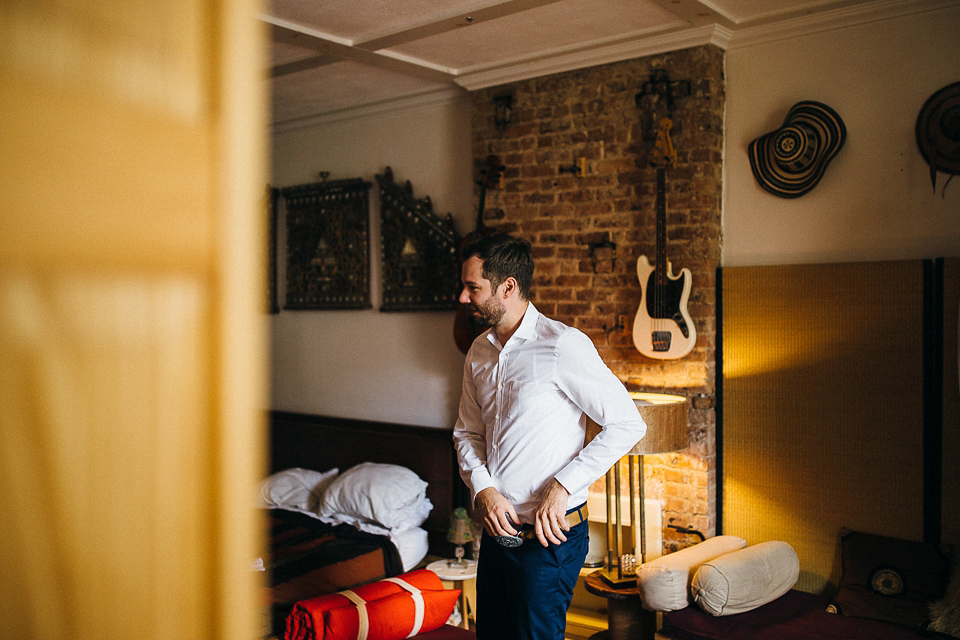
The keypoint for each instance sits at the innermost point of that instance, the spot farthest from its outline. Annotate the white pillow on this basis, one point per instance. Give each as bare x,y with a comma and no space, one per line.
295,488
385,494
745,579
664,583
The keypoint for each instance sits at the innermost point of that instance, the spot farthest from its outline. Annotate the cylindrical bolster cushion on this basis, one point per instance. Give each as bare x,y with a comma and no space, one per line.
745,579
664,583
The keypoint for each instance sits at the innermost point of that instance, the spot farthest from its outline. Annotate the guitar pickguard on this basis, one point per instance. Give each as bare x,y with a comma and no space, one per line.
673,295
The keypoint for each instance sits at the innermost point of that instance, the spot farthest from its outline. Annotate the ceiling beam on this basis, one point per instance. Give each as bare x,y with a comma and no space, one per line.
331,50
302,65
697,13
445,22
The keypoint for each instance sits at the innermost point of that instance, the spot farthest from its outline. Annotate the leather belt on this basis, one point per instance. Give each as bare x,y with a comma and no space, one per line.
527,532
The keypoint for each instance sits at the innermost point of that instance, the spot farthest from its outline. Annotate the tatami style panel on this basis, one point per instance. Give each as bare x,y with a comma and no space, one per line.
950,459
822,405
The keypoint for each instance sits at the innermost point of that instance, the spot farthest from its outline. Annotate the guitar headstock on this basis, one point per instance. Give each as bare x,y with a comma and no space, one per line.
664,155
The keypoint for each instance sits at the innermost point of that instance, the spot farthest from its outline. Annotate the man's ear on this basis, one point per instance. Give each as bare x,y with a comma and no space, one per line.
510,287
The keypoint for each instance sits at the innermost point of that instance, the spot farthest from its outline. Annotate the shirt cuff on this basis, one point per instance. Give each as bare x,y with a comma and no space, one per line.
574,478
479,479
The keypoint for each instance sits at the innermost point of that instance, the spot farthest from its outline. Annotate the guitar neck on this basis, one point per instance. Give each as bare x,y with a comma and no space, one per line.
661,264
480,207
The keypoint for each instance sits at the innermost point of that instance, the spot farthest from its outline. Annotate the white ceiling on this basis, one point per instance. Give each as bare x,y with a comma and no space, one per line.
336,57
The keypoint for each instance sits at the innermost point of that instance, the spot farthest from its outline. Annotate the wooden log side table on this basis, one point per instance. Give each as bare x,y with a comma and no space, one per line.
626,619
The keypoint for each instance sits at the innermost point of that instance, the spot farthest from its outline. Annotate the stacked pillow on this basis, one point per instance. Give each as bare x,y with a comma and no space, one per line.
387,495
297,489
371,496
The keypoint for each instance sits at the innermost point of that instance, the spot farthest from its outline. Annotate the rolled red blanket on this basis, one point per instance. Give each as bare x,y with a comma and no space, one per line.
389,609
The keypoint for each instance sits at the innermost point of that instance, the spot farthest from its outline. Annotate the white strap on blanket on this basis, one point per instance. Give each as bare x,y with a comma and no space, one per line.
363,628
417,604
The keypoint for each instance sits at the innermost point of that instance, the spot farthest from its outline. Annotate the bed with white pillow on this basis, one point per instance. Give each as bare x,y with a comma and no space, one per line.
381,499
349,502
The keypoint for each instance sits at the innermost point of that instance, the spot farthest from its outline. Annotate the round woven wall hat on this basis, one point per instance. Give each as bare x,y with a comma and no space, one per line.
790,161
938,131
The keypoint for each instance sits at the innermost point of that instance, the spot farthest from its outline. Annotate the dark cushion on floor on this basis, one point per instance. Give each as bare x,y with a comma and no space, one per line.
890,579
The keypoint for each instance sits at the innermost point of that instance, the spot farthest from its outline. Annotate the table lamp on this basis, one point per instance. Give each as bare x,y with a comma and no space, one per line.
459,533
666,418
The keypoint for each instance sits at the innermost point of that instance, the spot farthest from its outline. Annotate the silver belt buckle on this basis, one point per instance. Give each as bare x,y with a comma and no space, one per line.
510,542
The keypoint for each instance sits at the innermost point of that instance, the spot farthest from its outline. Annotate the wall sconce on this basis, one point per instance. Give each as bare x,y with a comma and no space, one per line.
502,110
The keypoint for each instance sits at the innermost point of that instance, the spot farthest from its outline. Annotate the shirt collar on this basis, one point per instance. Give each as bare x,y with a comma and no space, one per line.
526,330
528,326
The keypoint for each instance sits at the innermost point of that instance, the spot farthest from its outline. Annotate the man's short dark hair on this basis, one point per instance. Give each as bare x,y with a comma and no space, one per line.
503,256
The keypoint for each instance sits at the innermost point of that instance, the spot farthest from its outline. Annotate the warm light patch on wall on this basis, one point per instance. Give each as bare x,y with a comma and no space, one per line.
755,359
822,405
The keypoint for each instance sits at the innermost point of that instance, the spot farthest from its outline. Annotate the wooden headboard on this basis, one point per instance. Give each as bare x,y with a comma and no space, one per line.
323,442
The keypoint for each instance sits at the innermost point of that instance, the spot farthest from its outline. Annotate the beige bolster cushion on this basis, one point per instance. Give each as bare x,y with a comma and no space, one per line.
664,583
745,579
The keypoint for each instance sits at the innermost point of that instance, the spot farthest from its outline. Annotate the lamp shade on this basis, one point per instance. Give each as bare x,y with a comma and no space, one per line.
666,419
461,527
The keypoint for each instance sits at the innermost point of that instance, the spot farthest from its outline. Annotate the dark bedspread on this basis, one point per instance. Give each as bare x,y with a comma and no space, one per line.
308,558
793,616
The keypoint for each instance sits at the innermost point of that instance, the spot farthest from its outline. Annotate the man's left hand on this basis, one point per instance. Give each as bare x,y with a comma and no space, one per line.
550,519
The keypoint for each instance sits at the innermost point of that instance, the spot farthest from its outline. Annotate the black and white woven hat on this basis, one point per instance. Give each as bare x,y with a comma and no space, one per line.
938,132
790,161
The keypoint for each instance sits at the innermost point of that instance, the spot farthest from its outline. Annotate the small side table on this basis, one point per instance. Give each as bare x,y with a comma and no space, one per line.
457,575
626,619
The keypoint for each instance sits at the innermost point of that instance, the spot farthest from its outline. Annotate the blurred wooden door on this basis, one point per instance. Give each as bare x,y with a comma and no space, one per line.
131,353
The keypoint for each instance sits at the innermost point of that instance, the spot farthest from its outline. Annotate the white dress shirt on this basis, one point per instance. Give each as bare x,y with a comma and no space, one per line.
523,409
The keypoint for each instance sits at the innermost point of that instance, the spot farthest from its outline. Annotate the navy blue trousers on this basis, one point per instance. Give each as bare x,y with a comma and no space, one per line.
523,593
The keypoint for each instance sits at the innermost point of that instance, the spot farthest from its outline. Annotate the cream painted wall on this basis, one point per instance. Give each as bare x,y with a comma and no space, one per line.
398,367
875,201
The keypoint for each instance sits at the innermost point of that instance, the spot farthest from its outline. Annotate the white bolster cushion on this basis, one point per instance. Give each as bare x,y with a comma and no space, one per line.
664,583
745,579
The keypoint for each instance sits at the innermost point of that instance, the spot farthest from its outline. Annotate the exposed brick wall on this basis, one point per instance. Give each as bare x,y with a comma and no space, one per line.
588,230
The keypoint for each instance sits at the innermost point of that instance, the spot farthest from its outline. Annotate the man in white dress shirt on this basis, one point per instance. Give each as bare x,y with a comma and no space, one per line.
528,384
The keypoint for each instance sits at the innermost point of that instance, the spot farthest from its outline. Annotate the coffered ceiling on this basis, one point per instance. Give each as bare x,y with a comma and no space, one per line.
331,58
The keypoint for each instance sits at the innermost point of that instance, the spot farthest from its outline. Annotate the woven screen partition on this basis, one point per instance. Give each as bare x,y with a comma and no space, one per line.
822,406
951,402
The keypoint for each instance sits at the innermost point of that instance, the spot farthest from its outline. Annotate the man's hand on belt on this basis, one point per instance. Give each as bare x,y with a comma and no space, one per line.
496,512
550,520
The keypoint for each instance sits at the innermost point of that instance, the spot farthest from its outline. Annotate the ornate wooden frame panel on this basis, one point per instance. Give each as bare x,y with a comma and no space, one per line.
328,238
420,265
273,198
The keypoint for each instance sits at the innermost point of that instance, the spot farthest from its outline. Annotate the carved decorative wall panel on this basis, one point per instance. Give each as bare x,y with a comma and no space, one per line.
328,237
421,270
273,197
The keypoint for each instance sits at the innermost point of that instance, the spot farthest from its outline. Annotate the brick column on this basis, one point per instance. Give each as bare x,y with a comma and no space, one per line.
588,229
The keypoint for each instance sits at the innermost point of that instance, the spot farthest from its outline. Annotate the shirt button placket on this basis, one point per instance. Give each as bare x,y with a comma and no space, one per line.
500,367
